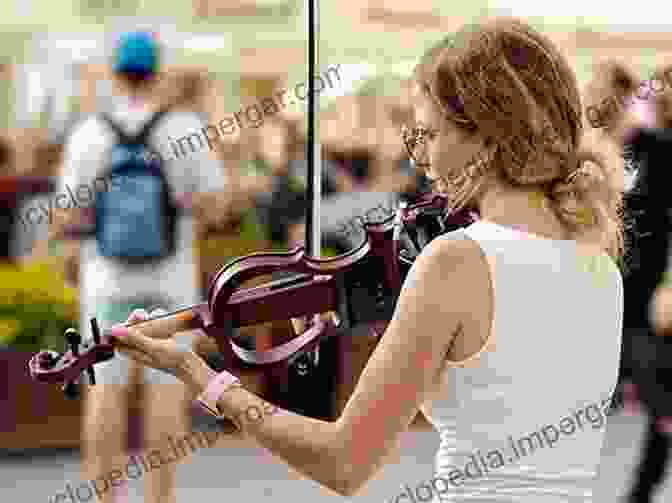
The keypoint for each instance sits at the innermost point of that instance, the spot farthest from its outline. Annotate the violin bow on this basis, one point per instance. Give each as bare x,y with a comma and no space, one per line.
313,238
312,229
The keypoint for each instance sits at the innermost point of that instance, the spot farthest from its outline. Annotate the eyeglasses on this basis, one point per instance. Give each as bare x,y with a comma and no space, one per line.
415,136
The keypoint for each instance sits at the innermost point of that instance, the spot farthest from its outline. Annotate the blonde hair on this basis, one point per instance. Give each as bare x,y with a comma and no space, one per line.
608,93
508,83
662,96
617,75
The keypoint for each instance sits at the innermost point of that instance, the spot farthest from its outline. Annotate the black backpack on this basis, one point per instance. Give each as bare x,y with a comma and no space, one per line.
136,219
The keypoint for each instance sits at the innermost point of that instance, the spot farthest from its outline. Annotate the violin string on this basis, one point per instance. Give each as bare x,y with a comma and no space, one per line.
161,316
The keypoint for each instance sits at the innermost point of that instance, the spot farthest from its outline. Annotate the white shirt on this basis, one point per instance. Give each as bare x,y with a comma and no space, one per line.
86,157
551,366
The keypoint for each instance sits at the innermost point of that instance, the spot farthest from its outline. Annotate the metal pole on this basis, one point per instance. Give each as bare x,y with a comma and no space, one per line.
313,148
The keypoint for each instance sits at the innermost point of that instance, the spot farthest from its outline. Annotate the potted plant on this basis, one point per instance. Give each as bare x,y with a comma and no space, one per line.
36,307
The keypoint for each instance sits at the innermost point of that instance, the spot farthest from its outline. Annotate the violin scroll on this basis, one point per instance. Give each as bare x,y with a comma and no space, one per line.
67,367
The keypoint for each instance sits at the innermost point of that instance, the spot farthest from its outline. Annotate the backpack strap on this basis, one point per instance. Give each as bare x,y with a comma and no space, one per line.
143,135
121,134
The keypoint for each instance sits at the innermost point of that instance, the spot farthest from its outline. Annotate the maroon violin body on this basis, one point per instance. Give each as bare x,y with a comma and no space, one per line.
360,286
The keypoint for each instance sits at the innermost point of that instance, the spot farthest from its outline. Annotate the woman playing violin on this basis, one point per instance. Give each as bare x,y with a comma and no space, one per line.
507,333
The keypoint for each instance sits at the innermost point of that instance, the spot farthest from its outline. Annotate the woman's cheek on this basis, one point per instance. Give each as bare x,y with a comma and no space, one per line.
439,151
449,156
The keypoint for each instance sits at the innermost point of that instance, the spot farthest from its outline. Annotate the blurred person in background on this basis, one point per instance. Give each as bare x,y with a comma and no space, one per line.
284,202
388,169
370,166
647,130
361,141
188,91
347,143
642,127
606,97
282,155
109,287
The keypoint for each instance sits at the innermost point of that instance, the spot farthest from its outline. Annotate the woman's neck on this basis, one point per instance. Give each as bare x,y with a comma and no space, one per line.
522,209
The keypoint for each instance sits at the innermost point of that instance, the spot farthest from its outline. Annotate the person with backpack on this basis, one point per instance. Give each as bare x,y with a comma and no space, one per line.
135,248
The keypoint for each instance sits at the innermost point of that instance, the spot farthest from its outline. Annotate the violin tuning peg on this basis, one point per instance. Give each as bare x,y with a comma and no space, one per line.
73,340
72,390
72,334
48,359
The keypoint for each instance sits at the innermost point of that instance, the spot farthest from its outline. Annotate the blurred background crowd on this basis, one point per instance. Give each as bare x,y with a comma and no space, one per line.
262,207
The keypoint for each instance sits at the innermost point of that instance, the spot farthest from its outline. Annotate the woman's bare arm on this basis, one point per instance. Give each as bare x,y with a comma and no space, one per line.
345,454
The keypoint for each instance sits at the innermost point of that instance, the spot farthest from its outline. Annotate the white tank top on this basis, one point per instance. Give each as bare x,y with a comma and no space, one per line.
524,420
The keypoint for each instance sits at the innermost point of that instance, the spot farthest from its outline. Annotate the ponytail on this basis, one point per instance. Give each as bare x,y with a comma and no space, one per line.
589,200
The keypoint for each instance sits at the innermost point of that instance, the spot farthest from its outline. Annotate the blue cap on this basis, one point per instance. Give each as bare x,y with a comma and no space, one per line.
136,53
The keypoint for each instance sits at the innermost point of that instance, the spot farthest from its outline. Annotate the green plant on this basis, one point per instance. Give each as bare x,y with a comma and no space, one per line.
36,307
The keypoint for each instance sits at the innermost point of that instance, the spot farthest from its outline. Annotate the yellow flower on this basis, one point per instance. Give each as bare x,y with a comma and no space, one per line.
35,283
10,281
9,329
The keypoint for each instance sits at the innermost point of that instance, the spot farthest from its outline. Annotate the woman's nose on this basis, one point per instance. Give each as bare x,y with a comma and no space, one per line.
421,158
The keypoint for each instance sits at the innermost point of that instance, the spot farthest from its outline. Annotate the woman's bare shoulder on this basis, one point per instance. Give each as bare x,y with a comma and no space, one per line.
456,259
455,250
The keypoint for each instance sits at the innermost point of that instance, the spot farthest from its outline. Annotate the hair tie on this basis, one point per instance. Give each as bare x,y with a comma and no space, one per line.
560,187
571,178
574,160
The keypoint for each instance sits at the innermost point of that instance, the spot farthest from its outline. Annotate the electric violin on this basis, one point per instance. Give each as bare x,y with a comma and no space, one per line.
360,287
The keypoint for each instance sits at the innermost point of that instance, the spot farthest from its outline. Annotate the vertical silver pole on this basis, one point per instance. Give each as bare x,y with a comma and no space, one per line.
313,147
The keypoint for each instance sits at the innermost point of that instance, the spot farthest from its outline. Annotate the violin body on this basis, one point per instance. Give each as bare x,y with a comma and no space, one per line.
361,287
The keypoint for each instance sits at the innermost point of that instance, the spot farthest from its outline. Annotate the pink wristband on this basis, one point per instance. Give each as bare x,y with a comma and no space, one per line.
216,387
